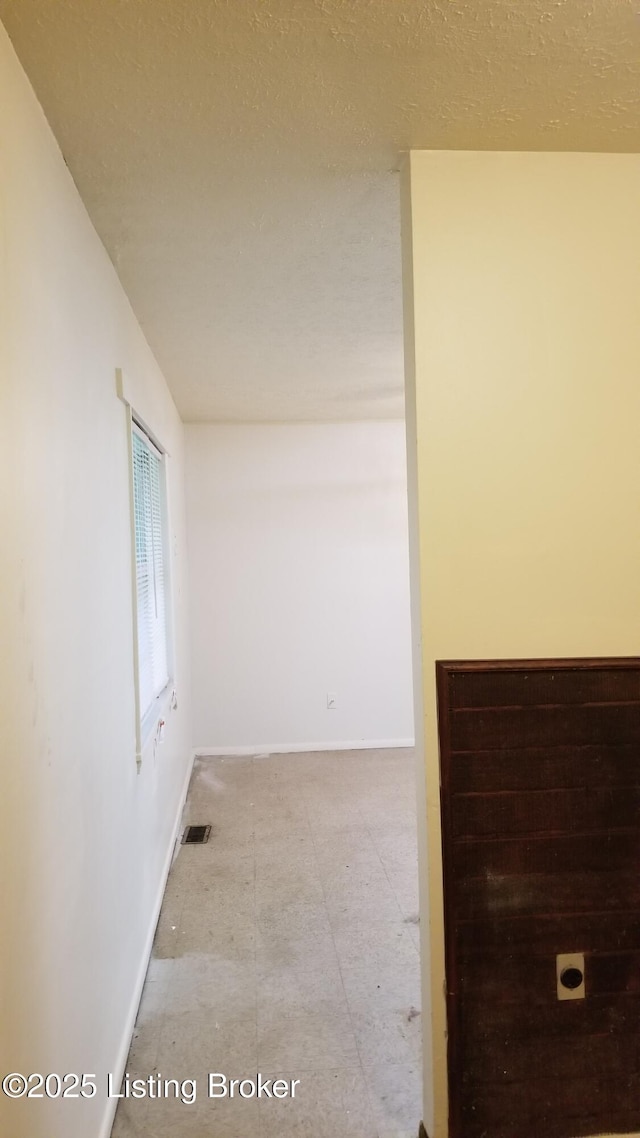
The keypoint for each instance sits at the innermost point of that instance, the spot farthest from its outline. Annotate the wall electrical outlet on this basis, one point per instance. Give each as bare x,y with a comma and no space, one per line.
331,700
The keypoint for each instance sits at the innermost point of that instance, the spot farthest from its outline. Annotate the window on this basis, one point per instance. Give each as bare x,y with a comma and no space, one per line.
152,592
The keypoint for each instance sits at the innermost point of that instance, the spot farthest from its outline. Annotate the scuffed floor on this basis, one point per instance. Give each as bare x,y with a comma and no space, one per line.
288,945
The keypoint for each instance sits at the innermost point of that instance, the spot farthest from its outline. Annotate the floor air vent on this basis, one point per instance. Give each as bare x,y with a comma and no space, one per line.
196,835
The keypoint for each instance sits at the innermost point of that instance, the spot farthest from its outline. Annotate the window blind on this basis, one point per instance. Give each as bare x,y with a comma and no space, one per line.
151,579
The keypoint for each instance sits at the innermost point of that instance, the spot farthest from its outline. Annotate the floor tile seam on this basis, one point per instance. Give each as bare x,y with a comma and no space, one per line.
391,1066
282,1071
163,1014
253,792
384,868
358,880
310,1068
182,901
251,795
329,867
154,1051
374,926
375,1133
288,1073
358,822
292,1073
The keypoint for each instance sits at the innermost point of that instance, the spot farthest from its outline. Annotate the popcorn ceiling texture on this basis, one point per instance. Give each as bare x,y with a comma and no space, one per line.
239,161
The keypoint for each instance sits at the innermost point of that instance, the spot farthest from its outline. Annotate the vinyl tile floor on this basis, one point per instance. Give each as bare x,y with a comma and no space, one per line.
287,945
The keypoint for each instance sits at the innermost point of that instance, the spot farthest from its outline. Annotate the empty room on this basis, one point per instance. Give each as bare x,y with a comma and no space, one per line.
319,347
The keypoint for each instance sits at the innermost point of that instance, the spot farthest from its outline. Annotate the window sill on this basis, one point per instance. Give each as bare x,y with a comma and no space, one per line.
148,728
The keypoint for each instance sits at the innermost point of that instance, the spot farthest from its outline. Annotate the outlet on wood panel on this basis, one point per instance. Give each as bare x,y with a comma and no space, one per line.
540,801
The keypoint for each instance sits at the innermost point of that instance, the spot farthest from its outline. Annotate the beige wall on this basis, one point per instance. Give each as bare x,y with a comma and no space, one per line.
84,835
522,277
299,585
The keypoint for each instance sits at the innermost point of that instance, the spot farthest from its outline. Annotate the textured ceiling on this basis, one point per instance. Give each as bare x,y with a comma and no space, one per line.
239,160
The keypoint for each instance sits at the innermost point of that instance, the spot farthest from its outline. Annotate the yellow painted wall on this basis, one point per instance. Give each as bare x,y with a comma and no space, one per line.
522,298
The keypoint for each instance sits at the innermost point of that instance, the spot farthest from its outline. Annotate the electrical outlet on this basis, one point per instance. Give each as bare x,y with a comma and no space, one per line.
331,700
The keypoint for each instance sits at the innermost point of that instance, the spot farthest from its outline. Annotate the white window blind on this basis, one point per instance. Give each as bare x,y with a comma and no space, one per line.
151,577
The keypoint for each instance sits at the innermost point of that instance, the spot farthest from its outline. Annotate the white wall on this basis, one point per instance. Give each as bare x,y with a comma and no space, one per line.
523,403
84,836
298,554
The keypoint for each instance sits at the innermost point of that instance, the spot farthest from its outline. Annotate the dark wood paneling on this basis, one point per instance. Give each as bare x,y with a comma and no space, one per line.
545,811
540,764
565,893
527,980
497,727
551,1108
601,853
537,687
540,768
550,1019
517,1060
552,933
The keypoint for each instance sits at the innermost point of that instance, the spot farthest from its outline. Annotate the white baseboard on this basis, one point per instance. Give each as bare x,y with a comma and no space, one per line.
294,748
120,1064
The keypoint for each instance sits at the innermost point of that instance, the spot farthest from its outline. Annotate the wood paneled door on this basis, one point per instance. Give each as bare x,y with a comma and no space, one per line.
540,772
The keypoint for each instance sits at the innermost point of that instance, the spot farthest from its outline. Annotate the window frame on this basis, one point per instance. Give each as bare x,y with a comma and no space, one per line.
147,722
